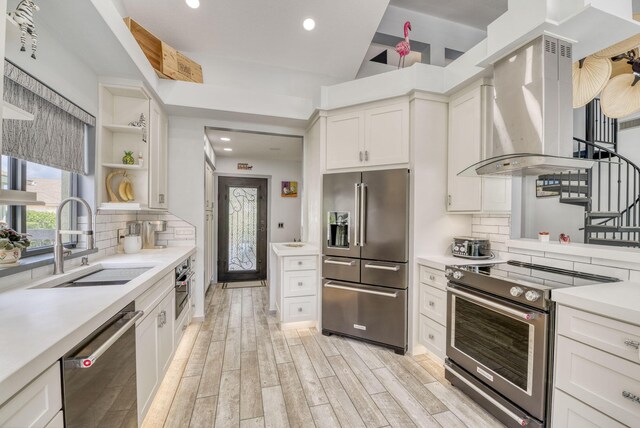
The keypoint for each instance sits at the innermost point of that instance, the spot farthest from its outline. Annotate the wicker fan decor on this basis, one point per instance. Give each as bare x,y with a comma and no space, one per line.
590,75
619,48
621,96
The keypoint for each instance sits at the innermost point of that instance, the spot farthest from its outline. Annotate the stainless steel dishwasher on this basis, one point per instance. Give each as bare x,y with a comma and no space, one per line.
99,375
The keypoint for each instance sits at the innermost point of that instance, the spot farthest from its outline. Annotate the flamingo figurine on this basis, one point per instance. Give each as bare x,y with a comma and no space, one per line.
403,48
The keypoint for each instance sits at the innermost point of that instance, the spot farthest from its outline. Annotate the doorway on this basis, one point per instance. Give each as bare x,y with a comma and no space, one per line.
242,225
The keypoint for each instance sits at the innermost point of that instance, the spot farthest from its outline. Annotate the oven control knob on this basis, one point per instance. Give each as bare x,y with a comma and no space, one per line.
532,296
516,291
457,274
448,272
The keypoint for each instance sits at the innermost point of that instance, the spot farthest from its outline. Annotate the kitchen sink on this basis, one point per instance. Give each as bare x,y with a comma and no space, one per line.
102,277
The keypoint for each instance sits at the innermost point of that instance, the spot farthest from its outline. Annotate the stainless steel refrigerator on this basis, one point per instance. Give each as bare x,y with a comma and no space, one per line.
365,254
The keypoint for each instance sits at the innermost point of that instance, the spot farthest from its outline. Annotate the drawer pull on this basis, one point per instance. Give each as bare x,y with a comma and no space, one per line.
431,303
300,309
300,284
360,290
300,263
431,336
630,396
380,267
338,262
432,277
632,343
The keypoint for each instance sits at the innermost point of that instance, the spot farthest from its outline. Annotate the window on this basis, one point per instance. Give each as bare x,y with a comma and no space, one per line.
52,185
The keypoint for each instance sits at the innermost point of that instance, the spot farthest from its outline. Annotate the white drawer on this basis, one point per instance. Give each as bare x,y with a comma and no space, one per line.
433,303
433,277
433,336
299,309
599,379
300,263
150,298
36,404
613,336
571,413
300,283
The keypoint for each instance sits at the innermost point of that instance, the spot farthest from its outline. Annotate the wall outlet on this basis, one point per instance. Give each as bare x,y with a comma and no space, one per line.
121,235
183,232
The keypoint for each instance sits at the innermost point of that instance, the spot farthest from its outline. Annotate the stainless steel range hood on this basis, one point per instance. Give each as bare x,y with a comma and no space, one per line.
532,113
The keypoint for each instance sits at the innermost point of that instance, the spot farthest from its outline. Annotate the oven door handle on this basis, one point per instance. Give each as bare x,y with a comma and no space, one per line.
527,316
89,361
521,421
186,281
360,290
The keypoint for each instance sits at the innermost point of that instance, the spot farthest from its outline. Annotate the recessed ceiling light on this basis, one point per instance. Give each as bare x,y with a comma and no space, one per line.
309,24
225,139
228,149
193,4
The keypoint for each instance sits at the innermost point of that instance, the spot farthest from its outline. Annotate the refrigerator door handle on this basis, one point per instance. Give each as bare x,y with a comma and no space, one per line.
363,214
330,284
356,217
338,262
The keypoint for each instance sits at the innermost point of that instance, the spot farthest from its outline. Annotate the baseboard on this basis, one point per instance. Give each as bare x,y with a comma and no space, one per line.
298,324
197,319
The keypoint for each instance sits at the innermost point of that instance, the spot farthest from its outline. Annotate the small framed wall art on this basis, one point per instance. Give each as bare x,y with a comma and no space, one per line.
289,189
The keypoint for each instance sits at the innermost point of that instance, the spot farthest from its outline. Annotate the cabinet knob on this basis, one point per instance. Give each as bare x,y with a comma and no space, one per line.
300,309
432,277
300,284
431,303
299,263
431,336
184,327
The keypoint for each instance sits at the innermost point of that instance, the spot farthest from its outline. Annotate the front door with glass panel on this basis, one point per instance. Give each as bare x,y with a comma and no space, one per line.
242,226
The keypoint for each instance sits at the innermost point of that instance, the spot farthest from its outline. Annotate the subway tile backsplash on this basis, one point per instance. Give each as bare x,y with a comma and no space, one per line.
484,226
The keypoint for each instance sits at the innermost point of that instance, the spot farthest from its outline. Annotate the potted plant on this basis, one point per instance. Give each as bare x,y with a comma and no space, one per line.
11,245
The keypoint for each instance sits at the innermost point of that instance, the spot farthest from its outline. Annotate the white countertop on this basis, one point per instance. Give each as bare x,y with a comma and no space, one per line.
621,254
282,249
618,300
439,261
38,326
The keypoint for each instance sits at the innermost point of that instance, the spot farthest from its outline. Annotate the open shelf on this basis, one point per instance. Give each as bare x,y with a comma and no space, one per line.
123,166
122,206
124,129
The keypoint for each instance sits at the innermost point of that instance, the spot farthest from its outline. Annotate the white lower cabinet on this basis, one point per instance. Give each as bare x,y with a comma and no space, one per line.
154,346
433,311
598,365
571,413
37,404
296,290
57,421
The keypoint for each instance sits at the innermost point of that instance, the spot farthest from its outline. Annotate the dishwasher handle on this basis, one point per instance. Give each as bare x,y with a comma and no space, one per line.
89,361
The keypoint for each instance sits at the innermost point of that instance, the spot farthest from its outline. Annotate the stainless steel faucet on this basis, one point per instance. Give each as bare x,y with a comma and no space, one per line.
58,249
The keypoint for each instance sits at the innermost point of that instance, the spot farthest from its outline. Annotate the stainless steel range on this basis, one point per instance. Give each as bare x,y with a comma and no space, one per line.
500,336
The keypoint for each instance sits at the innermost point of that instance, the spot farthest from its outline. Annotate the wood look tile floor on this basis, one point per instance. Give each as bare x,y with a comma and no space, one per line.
238,369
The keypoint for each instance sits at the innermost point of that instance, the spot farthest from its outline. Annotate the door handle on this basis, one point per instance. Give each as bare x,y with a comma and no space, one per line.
88,361
381,267
363,215
360,290
356,217
338,262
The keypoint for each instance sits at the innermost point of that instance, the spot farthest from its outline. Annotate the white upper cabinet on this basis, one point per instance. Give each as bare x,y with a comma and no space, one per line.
158,180
470,131
387,135
345,140
368,137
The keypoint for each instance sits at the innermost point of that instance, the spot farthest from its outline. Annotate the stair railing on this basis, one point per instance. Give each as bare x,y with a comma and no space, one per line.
628,206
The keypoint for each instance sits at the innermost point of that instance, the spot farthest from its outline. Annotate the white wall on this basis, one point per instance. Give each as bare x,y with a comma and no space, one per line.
281,210
56,65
